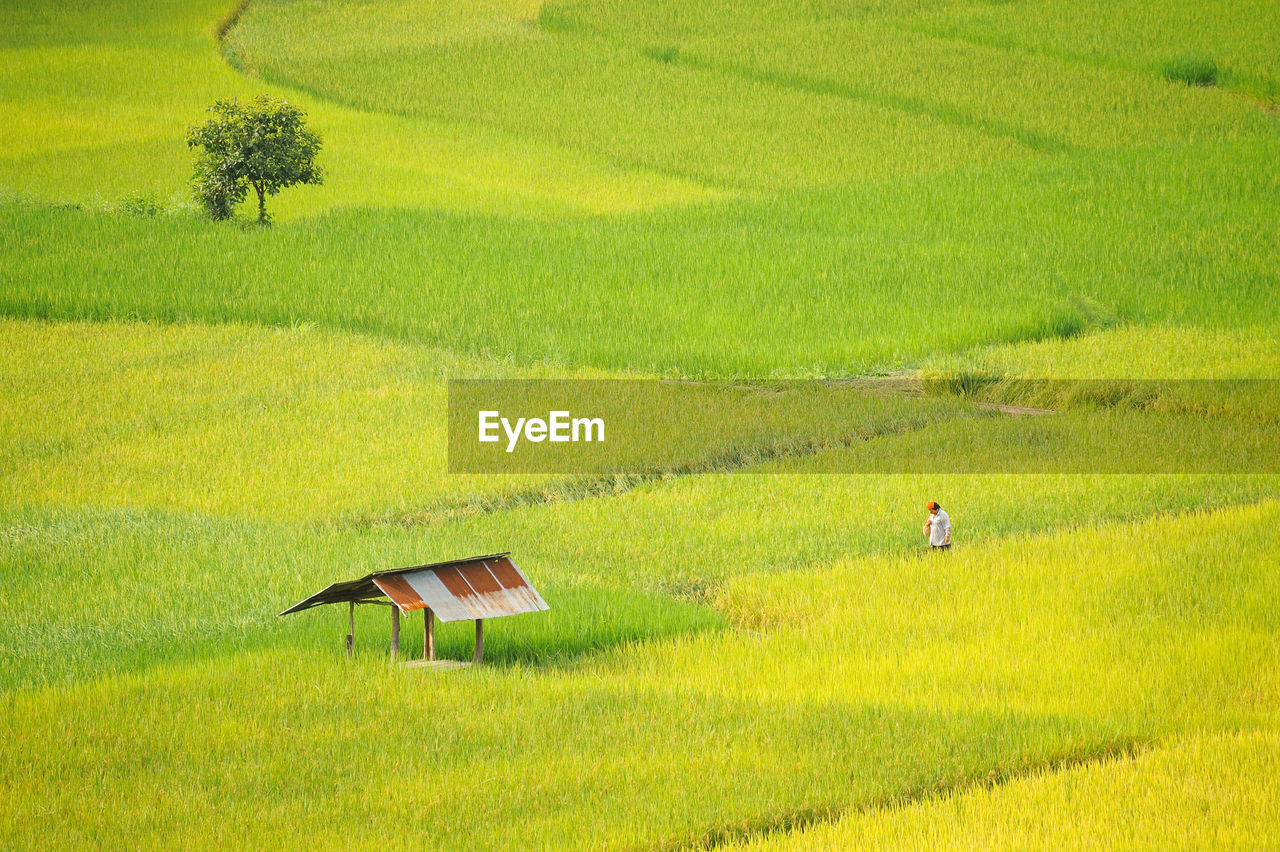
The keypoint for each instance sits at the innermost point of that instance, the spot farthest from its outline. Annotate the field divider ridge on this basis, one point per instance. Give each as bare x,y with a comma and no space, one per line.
1038,142
1123,750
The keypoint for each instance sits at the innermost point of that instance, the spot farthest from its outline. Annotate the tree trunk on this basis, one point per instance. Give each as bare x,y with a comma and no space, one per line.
262,204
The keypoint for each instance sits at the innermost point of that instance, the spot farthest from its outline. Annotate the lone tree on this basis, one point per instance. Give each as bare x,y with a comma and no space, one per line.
264,144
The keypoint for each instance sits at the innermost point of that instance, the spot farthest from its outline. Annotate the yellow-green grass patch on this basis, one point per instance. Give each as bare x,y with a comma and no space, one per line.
613,568
1126,352
1196,790
281,423
914,676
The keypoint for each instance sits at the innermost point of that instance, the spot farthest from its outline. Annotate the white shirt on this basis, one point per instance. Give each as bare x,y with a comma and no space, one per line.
939,528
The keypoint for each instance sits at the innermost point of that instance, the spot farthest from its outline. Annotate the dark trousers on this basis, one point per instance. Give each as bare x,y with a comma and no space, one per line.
946,546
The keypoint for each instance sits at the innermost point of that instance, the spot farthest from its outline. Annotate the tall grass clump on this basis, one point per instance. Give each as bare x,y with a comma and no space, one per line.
1192,69
1141,38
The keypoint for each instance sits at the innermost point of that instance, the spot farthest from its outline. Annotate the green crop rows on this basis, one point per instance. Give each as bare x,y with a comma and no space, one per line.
202,423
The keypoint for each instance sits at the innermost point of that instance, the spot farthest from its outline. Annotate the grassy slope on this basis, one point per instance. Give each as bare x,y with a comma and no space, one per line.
906,97
86,122
893,677
286,423
1006,249
108,459
748,288
1199,791
1133,35
885,53
303,425
1153,206
591,95
595,559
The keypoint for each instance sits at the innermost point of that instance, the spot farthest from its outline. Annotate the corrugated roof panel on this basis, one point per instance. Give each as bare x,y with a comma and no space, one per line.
454,582
480,579
515,585
435,594
471,590
504,571
401,593
480,587
351,590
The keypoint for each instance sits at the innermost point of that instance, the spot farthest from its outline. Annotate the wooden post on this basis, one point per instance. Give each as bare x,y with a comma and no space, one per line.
479,640
395,631
428,634
351,628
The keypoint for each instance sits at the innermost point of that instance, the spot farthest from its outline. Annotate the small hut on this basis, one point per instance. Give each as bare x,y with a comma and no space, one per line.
476,588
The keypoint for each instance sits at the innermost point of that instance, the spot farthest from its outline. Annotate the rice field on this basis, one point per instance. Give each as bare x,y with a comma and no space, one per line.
1148,38
751,646
1137,226
918,678
1191,788
280,423
615,562
692,292
88,124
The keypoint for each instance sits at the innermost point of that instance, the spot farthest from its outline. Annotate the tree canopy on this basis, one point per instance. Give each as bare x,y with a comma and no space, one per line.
264,144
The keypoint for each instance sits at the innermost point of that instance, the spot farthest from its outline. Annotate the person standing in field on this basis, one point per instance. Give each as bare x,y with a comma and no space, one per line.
937,527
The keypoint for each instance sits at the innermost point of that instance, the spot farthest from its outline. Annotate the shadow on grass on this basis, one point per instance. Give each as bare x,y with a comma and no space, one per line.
582,622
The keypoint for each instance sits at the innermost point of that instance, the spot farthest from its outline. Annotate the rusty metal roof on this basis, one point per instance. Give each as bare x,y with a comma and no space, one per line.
478,587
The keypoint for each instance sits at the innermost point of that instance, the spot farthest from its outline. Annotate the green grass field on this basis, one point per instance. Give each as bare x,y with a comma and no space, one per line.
202,423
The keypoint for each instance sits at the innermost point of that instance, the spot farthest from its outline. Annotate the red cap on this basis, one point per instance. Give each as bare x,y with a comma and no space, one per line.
932,504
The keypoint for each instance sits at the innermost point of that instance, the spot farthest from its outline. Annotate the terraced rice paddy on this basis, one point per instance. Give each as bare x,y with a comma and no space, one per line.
204,423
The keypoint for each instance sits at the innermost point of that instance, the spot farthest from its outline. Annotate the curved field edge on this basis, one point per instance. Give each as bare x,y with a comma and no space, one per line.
305,425
873,69
834,280
287,423
1078,616
87,124
301,424
1200,789
828,284
615,568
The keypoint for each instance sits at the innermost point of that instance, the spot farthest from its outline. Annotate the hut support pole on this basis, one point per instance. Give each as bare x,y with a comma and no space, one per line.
428,635
479,640
351,628
395,632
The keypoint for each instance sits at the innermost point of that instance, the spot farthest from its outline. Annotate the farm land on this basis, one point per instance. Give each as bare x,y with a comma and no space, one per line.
204,422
